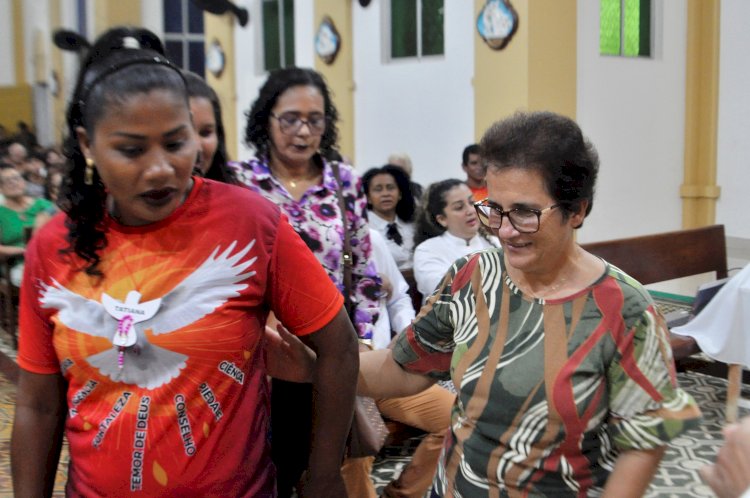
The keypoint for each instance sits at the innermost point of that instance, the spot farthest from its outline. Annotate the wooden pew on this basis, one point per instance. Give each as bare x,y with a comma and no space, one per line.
669,255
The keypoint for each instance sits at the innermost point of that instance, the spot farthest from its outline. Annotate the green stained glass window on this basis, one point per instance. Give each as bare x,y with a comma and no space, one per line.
625,27
417,28
432,27
278,34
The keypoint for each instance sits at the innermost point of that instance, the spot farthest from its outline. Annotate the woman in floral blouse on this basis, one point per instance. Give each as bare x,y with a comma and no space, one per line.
292,127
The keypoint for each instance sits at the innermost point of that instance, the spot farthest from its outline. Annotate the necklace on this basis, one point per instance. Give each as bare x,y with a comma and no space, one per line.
522,284
282,174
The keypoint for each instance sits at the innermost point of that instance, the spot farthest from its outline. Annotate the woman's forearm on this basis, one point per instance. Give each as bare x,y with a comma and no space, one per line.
10,251
633,472
381,377
334,387
37,434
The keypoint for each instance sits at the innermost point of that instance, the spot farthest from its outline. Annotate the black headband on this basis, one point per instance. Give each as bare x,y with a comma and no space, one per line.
139,57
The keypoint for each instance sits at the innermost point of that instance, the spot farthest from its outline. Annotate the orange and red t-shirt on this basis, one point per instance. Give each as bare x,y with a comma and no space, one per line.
183,411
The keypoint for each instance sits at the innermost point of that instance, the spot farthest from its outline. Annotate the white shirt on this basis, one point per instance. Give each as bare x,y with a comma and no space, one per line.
398,312
433,258
721,328
402,254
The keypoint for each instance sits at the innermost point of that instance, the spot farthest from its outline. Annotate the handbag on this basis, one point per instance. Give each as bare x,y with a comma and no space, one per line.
368,431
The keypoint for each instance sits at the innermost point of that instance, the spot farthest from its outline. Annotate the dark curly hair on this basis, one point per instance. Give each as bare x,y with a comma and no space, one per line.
123,62
279,81
554,146
218,170
406,206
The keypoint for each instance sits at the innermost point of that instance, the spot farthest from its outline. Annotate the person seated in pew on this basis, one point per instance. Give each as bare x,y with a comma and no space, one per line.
447,228
390,210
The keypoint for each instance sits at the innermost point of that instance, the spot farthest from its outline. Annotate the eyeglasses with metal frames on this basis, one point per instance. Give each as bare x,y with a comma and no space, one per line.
290,123
525,220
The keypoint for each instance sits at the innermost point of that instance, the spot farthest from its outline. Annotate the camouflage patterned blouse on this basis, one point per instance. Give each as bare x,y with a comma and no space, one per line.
549,391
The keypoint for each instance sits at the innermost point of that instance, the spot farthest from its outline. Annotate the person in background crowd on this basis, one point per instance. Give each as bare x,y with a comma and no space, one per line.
206,110
34,171
565,376
17,154
447,228
54,159
26,136
391,210
53,185
144,337
20,214
292,128
403,161
475,172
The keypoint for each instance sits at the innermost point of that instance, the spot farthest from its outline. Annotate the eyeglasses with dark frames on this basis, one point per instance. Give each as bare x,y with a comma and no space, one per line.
290,123
525,220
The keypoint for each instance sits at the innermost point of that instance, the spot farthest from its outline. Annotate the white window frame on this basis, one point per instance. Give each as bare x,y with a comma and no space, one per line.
186,37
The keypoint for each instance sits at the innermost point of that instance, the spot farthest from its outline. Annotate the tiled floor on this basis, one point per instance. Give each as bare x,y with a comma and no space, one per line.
677,476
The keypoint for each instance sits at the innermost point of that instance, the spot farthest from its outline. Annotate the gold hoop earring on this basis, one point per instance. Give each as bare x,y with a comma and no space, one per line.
88,177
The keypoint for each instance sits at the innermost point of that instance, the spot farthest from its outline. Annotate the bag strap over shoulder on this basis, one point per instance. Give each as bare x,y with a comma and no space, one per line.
346,255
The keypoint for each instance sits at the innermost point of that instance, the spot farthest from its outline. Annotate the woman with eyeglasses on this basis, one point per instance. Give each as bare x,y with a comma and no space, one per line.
566,383
391,209
292,128
447,228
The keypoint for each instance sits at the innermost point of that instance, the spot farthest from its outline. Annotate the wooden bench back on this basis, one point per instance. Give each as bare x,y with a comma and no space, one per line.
668,255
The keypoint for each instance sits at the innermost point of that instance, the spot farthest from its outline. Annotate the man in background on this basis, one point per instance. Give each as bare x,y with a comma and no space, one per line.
475,172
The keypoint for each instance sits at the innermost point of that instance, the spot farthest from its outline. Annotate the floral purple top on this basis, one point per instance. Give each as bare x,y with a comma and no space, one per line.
317,219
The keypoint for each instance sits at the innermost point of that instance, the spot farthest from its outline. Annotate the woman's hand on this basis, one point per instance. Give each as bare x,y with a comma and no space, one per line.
386,287
287,358
729,477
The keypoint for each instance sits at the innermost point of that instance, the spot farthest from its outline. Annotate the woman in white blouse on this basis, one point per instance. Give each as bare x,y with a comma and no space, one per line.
447,228
391,210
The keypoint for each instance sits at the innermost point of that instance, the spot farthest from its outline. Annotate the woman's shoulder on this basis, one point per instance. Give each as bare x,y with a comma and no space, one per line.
348,175
430,244
635,298
53,233
41,204
238,198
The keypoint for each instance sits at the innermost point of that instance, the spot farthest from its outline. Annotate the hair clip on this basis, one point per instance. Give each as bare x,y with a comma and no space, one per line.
130,42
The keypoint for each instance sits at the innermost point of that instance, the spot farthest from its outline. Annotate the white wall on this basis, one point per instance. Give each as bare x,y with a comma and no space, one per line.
424,108
7,54
633,110
733,156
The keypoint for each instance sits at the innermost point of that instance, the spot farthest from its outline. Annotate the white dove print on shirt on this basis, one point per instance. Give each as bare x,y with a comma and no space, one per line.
146,365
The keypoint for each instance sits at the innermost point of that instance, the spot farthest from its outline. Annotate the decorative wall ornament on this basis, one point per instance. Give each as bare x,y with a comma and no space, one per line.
215,59
327,41
497,23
